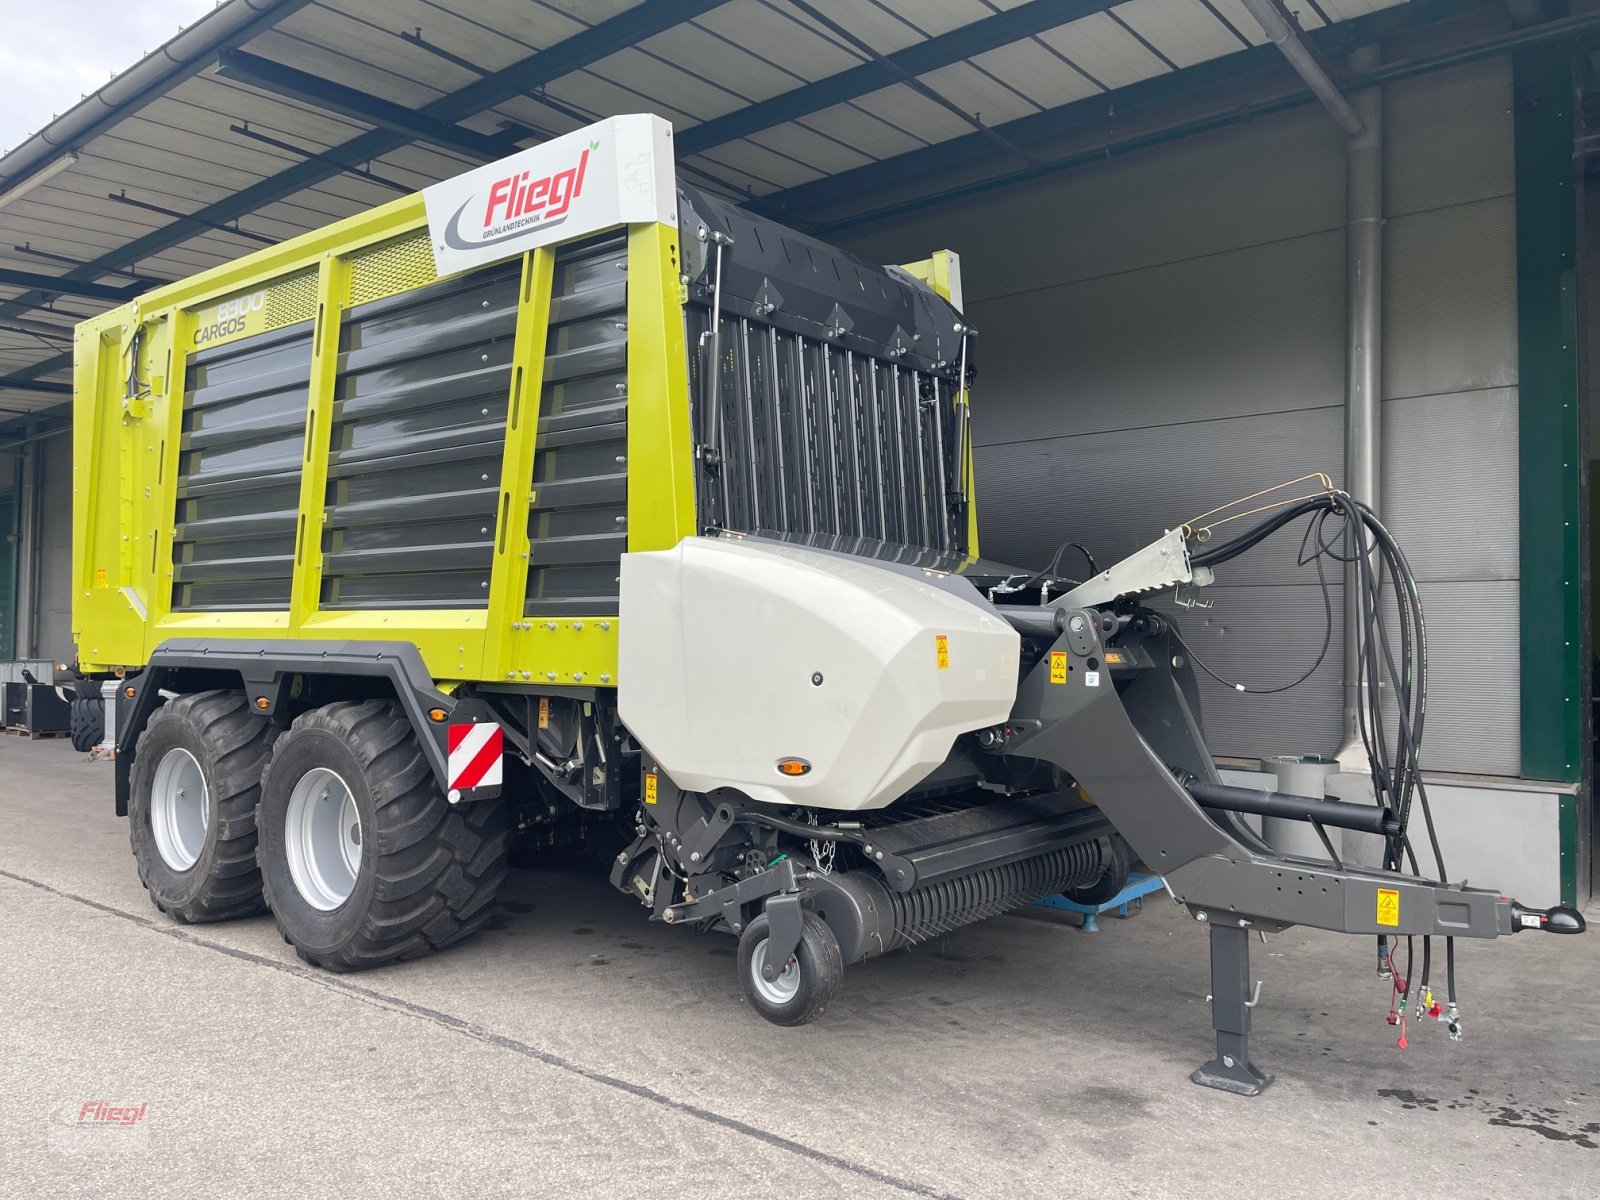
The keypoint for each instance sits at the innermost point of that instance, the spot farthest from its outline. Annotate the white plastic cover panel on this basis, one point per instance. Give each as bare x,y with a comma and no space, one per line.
737,653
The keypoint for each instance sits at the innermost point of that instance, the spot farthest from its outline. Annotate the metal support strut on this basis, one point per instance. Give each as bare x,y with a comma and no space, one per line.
1231,1070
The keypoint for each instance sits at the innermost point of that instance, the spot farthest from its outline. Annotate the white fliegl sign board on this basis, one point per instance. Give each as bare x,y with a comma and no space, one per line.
615,172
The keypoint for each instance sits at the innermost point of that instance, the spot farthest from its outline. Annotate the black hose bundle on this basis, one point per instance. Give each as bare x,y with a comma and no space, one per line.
1396,664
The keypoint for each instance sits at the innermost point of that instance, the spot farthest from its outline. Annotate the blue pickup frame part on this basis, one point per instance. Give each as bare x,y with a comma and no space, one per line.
1138,886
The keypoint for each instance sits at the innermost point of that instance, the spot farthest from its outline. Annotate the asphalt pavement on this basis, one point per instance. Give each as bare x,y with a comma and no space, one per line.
575,1049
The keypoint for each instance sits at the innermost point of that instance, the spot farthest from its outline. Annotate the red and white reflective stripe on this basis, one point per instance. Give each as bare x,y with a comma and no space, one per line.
475,755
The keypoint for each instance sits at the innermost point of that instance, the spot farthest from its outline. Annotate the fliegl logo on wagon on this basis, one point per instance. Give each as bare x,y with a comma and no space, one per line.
615,172
517,203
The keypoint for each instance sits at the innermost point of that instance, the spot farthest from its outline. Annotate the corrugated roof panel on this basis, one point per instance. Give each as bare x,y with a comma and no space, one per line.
97,177
116,160
977,93
230,103
702,52
931,17
592,12
315,59
800,49
426,163
176,264
870,133
213,249
645,75
1346,10
491,33
494,34
1185,33
601,96
375,56
524,113
1033,69
766,168
797,139
1106,50
292,212
941,16
914,113
711,170
875,26
46,235
175,162
1237,15
88,216
236,161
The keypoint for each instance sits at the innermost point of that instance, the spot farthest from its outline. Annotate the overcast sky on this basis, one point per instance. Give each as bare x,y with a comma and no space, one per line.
54,51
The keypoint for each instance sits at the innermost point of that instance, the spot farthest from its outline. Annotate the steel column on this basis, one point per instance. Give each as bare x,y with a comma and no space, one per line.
27,592
1363,412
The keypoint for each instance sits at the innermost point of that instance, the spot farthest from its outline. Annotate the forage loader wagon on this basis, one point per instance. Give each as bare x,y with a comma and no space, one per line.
566,502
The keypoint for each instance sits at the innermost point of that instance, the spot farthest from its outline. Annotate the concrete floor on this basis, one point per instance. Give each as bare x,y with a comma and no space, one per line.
575,1049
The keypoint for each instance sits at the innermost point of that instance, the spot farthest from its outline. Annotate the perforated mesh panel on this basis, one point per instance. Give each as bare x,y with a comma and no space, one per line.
292,299
391,267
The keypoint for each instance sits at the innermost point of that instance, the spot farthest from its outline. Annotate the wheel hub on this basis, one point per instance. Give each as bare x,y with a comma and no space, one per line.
180,809
322,838
777,991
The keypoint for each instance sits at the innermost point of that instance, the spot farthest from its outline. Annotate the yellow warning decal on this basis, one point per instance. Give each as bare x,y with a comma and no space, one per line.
941,647
1113,658
100,579
650,787
1058,666
1388,906
544,712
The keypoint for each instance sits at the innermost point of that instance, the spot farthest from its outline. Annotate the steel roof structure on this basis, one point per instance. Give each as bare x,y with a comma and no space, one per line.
267,118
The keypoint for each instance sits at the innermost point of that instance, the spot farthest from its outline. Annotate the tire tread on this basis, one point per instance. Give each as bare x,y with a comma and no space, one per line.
241,742
440,868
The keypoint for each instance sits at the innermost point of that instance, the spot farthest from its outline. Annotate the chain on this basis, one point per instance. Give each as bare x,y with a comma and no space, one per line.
822,855
822,851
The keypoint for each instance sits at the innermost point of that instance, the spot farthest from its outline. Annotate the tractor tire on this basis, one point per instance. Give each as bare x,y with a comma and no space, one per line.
809,979
363,859
87,722
192,808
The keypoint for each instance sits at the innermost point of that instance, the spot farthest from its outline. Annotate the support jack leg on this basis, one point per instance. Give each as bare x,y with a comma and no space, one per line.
1231,1070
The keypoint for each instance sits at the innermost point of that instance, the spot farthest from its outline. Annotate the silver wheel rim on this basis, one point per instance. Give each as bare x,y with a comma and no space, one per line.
778,991
180,809
323,839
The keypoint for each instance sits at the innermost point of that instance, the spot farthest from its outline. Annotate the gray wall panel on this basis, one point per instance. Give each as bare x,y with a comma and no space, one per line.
1265,637
1166,332
1118,490
1448,138
1278,177
1450,319
1474,678
1450,483
1254,331
55,568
